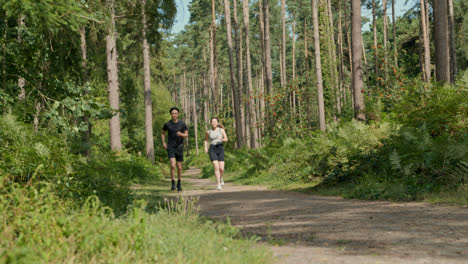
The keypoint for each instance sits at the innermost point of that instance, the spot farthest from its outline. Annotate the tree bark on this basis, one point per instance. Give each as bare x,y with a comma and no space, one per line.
441,41
385,30
318,66
5,34
21,80
236,94
86,134
240,88
252,112
215,63
147,84
294,62
358,83
350,54
194,112
340,44
374,24
395,57
283,15
269,75
425,36
113,80
453,56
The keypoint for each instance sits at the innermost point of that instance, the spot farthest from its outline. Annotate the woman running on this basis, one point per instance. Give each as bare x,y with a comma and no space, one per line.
216,136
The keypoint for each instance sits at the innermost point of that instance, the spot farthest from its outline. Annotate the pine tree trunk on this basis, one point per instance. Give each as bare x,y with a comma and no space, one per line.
441,41
147,84
350,54
385,30
294,62
453,56
215,62
340,44
358,83
395,57
113,80
21,80
252,113
240,87
283,15
318,66
425,36
374,25
235,91
281,64
269,75
5,34
194,112
86,134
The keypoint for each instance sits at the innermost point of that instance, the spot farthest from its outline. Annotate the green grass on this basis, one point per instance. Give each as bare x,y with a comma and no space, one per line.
38,227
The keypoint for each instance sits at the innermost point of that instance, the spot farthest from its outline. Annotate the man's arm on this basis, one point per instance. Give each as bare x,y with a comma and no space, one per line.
184,134
163,137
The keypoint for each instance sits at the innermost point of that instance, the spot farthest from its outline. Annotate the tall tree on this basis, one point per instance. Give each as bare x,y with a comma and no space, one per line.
358,83
235,91
113,78
194,112
441,41
425,37
252,114
318,66
240,77
374,29
214,58
294,60
266,47
453,56
147,84
283,50
395,57
385,33
86,134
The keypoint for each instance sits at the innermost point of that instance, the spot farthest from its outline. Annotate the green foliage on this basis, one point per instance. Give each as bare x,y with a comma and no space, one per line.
38,227
27,157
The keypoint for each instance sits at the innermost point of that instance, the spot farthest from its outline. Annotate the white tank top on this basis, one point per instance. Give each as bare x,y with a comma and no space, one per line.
214,136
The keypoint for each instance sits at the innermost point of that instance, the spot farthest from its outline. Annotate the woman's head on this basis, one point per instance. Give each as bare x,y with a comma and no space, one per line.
215,123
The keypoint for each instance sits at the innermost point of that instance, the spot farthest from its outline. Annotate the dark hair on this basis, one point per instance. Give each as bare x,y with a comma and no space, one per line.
219,122
174,108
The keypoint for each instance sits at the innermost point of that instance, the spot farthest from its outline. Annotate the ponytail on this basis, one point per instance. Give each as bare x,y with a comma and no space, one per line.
221,126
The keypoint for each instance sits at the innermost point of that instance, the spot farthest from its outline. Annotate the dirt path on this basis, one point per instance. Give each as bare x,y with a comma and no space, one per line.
319,229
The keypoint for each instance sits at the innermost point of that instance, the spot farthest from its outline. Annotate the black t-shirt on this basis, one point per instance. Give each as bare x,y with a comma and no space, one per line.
173,128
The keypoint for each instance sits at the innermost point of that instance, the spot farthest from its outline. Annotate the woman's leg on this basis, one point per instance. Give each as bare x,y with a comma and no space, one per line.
216,171
221,169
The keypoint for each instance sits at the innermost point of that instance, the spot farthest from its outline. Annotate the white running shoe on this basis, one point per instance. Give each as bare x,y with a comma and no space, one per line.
219,187
222,182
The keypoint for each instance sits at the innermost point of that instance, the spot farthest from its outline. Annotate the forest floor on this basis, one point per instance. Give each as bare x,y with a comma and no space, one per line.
304,228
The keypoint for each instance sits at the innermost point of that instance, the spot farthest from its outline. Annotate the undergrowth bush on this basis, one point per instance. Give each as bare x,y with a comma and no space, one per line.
28,156
38,227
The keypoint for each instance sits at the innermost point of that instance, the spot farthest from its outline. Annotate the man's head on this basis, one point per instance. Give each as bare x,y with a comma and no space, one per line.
174,113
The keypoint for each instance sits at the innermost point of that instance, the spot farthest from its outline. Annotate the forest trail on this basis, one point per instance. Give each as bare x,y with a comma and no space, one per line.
302,228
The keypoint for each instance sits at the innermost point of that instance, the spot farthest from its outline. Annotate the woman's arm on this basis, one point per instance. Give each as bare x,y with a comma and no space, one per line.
225,138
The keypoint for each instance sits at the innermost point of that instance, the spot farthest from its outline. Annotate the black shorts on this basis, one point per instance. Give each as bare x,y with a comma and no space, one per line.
176,152
216,152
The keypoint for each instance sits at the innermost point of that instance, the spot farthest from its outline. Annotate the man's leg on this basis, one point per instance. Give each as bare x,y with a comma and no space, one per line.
173,165
179,175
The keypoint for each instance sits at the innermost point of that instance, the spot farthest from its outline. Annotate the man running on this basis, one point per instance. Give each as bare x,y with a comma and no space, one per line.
175,144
